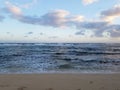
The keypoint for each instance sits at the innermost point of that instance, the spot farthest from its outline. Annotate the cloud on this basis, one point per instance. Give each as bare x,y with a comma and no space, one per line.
77,18
30,33
28,5
41,33
25,5
1,15
59,18
14,10
98,29
85,33
103,25
2,18
111,14
53,37
92,25
55,18
62,18
7,32
113,30
25,36
87,2
82,32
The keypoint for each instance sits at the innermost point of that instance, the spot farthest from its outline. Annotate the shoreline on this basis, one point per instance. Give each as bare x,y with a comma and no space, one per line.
59,72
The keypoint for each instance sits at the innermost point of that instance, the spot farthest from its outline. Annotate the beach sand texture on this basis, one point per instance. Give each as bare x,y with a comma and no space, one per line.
60,82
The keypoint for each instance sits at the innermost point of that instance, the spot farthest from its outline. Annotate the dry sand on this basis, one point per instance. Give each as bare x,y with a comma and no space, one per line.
60,82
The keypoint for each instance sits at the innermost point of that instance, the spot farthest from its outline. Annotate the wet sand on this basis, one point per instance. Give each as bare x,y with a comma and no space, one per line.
60,82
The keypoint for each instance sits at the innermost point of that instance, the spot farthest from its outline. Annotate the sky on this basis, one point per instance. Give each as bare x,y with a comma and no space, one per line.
59,21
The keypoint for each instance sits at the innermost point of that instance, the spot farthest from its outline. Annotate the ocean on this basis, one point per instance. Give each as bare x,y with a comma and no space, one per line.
17,58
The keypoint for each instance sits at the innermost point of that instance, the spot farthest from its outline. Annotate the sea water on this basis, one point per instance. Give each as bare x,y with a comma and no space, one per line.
59,58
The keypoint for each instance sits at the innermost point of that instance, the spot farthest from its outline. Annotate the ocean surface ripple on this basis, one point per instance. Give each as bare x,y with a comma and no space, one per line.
59,57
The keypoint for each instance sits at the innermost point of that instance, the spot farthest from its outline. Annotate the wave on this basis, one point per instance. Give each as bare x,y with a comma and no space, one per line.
35,57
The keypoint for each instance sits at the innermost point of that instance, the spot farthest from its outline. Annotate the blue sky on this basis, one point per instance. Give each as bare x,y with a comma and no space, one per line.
59,21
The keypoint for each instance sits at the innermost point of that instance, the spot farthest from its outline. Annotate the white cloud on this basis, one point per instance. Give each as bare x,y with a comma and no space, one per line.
87,2
77,18
27,5
14,10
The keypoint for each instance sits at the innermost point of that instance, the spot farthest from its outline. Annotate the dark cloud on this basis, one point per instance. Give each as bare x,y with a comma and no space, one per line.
96,27
80,33
113,30
30,33
8,32
55,18
29,20
91,25
99,28
41,33
111,14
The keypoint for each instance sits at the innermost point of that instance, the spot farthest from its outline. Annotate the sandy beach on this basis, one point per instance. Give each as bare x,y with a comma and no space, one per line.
60,82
